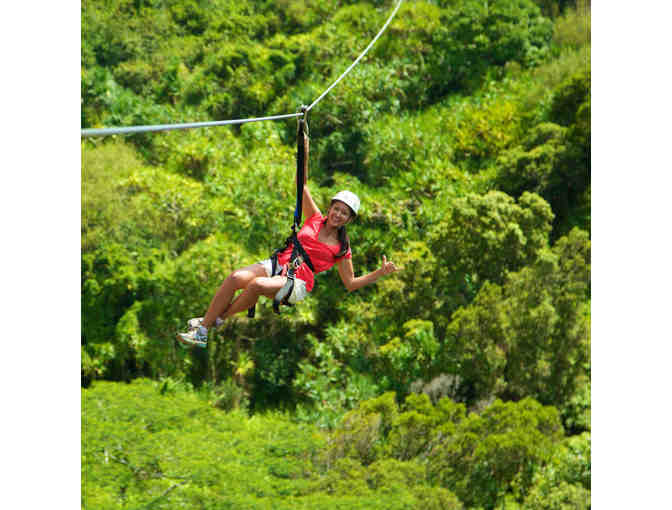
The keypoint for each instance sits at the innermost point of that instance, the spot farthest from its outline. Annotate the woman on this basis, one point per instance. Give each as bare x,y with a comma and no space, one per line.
325,241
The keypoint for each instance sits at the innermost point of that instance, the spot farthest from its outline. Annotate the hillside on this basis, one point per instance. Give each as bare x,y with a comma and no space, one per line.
465,132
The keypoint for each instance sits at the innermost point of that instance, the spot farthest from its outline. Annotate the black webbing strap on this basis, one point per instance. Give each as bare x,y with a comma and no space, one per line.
297,251
301,136
299,254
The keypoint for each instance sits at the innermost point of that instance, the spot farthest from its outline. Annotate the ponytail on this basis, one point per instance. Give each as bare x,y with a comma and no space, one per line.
344,240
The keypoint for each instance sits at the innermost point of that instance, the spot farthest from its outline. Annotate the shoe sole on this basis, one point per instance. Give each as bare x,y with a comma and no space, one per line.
185,343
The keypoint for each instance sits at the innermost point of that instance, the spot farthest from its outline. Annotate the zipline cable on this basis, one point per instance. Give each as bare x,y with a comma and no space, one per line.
190,125
358,58
170,127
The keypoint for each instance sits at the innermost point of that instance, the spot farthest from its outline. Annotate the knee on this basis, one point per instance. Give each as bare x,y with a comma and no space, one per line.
238,279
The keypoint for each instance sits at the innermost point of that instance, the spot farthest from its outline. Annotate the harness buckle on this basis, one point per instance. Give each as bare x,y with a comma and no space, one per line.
297,262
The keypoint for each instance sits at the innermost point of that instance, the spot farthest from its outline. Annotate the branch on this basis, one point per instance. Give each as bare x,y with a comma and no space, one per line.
166,492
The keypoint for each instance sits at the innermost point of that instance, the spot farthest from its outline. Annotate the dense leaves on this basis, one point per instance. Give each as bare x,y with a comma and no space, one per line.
462,381
523,338
160,443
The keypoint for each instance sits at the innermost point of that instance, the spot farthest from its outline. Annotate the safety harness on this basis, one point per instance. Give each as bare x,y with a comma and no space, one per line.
299,255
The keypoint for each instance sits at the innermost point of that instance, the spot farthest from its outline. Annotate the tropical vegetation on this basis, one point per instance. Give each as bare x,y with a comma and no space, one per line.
462,381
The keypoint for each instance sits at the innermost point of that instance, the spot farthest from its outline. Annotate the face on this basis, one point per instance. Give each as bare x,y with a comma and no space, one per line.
339,214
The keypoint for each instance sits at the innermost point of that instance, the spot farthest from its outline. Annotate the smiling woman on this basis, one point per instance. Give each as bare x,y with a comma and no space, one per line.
289,274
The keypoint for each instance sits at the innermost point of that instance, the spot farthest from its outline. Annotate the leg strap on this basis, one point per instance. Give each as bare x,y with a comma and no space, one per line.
283,294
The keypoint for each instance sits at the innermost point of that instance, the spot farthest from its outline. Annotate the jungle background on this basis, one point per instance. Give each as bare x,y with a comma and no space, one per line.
463,381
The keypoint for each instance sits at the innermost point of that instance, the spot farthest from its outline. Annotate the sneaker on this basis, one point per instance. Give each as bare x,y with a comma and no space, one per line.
193,337
194,323
198,321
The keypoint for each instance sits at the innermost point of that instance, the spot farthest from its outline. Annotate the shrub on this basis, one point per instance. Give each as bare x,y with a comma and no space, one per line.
534,166
576,413
554,158
525,338
556,497
487,235
573,27
112,279
104,202
327,380
474,36
497,452
484,131
421,426
408,359
363,430
565,481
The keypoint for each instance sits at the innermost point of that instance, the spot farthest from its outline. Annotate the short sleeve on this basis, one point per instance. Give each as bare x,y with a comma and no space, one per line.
315,219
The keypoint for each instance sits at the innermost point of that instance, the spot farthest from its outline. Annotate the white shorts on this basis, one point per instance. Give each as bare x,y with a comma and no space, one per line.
299,291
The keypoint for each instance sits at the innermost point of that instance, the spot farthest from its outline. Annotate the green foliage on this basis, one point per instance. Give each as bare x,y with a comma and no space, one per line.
565,481
200,155
416,430
560,496
485,236
553,159
361,435
576,413
476,329
407,359
524,339
510,452
411,152
484,131
102,201
534,165
569,97
137,443
496,452
330,389
465,131
573,27
160,444
112,280
475,37
142,207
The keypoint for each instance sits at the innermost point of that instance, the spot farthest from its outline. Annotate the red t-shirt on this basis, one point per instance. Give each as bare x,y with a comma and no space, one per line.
323,256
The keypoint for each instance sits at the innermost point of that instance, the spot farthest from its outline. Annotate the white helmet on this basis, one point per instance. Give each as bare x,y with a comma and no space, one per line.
349,199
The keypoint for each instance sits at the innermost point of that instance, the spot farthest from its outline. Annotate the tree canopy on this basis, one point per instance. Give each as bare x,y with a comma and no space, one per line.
462,381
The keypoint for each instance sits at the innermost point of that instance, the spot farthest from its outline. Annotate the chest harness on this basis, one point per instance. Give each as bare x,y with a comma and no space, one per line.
299,255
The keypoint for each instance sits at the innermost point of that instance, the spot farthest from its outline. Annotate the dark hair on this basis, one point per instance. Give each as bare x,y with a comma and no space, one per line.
343,238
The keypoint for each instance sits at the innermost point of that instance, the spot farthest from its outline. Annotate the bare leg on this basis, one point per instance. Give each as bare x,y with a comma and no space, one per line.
261,286
239,279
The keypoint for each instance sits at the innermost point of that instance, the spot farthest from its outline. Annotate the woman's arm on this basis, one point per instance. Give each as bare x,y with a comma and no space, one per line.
309,206
352,283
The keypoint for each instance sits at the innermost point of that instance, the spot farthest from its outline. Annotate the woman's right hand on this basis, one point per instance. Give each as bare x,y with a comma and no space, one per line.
388,267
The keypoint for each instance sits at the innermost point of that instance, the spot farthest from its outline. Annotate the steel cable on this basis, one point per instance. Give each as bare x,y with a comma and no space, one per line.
358,58
190,125
170,127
